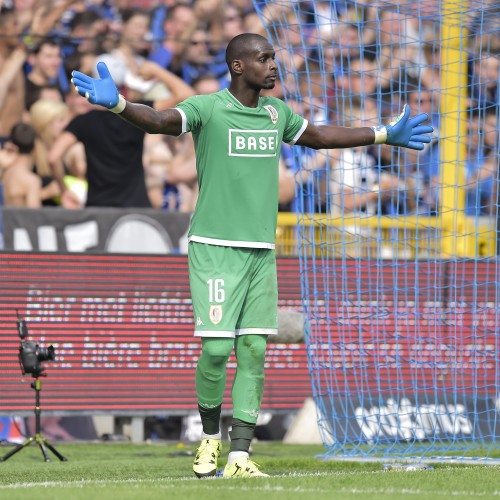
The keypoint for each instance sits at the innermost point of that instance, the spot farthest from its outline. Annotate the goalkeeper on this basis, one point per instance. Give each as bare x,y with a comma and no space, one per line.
232,265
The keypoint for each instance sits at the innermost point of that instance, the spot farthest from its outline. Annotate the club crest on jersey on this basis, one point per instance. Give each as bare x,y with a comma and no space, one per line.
273,113
215,314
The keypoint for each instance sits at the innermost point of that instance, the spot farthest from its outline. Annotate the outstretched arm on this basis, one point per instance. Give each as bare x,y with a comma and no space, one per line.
403,131
103,91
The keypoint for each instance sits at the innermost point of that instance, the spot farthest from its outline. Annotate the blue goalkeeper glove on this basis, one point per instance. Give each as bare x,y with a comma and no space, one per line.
405,131
101,91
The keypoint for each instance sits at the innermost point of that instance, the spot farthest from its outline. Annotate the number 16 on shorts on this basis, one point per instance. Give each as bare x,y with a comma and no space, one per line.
216,294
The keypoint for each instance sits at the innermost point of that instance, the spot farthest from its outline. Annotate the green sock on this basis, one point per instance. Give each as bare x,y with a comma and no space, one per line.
210,419
211,381
248,383
241,435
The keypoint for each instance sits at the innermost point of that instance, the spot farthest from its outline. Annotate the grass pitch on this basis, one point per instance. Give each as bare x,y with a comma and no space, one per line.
110,471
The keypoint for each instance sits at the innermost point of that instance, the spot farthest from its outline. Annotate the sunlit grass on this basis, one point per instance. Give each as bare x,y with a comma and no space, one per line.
111,471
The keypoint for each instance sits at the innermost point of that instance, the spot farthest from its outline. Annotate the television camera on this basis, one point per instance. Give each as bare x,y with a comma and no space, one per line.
31,354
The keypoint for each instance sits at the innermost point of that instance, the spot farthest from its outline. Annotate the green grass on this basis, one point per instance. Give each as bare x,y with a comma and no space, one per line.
110,471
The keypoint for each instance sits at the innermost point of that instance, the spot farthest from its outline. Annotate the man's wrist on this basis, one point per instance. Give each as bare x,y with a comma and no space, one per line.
380,135
120,106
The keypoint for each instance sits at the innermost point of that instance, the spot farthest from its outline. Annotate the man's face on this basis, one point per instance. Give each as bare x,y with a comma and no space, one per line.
48,61
197,52
491,133
260,69
233,23
362,77
182,17
421,102
134,32
9,29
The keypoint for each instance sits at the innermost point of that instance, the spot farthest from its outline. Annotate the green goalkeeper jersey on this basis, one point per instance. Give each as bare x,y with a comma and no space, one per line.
237,155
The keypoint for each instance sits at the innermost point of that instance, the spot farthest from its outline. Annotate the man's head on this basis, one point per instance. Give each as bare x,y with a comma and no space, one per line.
197,51
87,31
361,78
46,60
233,22
252,57
23,136
135,30
177,20
8,27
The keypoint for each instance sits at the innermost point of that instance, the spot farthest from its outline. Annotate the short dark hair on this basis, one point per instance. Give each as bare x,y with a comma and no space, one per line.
86,18
23,136
128,13
242,45
178,5
51,42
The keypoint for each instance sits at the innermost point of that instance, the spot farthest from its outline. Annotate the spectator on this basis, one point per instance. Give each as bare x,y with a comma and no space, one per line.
341,47
27,17
12,58
294,35
228,25
38,19
481,168
490,130
47,92
84,61
21,187
206,84
361,82
180,21
491,143
49,119
424,101
401,51
46,62
300,184
156,157
132,47
484,80
87,32
171,173
432,51
158,16
198,61
413,195
250,17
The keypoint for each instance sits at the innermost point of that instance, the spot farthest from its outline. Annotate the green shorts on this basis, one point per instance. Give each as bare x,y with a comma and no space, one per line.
234,290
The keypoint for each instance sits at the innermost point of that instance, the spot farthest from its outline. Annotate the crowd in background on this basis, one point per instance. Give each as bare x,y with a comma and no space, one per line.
345,63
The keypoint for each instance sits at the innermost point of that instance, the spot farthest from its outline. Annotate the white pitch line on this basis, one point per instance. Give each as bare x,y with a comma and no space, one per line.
230,484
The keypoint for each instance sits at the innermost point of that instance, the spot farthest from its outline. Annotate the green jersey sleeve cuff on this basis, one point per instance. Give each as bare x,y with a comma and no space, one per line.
299,133
184,121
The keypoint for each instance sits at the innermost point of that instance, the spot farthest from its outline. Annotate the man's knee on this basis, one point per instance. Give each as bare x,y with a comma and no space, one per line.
252,349
216,351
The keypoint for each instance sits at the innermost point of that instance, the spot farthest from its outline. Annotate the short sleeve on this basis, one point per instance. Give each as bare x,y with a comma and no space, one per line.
197,111
295,126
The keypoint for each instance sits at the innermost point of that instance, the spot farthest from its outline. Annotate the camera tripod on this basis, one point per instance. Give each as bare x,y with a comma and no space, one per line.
37,438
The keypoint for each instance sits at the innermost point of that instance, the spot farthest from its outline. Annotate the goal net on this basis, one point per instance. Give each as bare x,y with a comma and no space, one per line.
398,248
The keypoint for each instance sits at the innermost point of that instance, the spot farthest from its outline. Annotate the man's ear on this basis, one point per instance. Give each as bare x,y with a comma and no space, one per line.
237,66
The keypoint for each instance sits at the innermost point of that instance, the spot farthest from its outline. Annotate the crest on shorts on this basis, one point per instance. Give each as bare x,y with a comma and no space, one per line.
215,314
273,113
